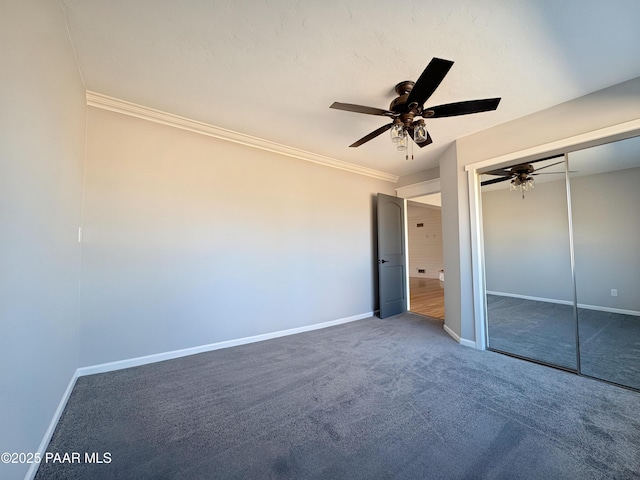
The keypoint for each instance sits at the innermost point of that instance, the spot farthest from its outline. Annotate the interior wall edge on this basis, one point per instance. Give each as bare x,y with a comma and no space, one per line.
456,337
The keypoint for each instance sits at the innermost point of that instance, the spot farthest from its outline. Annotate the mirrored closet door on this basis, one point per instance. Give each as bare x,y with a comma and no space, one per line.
562,260
530,297
605,202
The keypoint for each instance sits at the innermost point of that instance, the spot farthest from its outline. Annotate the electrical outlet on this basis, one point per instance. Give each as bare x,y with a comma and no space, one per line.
614,292
420,270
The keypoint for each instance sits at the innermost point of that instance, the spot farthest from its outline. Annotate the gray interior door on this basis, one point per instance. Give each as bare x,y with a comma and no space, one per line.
391,256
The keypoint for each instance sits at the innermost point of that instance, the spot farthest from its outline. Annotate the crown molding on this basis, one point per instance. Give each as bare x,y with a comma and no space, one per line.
105,102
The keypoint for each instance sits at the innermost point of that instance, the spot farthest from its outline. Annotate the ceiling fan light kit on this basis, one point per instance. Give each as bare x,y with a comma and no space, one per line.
523,185
410,104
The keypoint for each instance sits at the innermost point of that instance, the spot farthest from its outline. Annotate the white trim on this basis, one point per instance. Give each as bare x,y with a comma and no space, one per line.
411,191
160,357
585,306
419,189
33,469
407,281
127,108
478,280
468,343
456,337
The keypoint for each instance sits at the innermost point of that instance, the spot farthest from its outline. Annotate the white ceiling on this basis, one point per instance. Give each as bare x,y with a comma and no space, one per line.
271,68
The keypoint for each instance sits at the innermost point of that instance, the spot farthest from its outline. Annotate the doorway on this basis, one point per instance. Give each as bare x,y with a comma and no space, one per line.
426,261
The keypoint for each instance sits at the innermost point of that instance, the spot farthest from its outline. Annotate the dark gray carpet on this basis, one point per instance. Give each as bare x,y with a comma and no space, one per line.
609,342
372,399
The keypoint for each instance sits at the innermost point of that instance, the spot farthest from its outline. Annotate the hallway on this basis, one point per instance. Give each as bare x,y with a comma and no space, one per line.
427,297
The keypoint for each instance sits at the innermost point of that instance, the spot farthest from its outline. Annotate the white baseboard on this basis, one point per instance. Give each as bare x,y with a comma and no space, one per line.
456,337
567,302
33,469
468,343
160,357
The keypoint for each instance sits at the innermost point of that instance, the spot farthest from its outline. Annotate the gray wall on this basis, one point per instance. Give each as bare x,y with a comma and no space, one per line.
423,176
526,241
190,240
42,123
606,229
458,301
535,232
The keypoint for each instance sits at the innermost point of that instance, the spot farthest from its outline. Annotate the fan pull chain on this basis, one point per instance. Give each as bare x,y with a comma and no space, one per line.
407,154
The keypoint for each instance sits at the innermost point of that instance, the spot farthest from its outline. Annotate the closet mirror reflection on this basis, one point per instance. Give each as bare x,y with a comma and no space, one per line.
582,316
527,257
605,197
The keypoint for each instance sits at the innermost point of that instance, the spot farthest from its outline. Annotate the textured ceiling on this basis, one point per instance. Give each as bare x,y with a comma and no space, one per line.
271,68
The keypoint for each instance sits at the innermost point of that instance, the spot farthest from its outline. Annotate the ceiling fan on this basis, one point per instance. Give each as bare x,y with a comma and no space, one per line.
521,175
410,104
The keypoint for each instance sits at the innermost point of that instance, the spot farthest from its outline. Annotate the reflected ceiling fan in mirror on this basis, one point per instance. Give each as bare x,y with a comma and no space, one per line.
408,107
521,175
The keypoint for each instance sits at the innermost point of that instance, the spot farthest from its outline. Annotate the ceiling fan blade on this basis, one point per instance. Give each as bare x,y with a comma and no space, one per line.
429,80
501,171
372,135
495,180
552,165
421,144
463,108
349,107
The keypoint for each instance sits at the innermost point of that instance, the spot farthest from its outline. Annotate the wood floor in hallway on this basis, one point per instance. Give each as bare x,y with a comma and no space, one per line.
427,297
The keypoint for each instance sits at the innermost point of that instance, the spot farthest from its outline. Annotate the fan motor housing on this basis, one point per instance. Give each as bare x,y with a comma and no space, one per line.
523,169
403,89
398,104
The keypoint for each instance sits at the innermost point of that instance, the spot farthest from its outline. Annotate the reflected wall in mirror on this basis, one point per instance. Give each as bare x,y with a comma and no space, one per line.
530,296
605,197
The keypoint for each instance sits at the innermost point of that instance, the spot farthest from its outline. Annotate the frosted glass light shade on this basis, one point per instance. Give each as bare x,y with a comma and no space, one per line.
397,132
420,133
403,142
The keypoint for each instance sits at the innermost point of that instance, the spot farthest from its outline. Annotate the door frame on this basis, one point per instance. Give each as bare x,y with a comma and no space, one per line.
408,192
474,170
